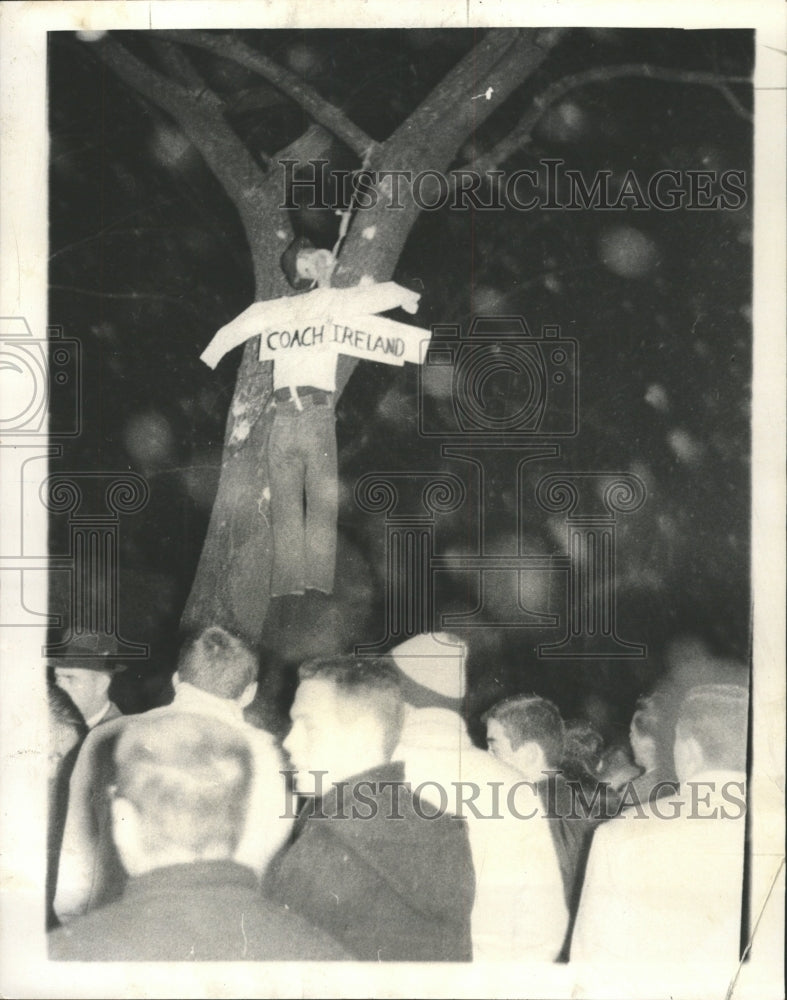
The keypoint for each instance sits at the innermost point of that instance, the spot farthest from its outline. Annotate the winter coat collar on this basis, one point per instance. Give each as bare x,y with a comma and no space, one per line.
197,874
373,782
193,699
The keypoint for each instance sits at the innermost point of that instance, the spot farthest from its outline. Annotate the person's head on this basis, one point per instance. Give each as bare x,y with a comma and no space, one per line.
582,744
315,265
431,670
711,730
181,790
221,664
84,669
646,729
86,682
303,264
346,718
525,732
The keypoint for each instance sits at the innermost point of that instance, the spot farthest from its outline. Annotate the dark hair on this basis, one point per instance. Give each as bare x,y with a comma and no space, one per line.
188,776
716,716
371,684
289,262
217,662
528,717
582,744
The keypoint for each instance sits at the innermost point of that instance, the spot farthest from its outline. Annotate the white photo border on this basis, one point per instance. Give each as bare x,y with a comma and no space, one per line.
24,968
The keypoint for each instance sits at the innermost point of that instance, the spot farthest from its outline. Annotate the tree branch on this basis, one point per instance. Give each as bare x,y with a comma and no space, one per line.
167,94
257,196
181,68
488,64
429,139
322,111
199,118
520,135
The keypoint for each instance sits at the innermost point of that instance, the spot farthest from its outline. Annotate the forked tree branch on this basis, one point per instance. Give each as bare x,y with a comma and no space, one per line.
321,111
430,139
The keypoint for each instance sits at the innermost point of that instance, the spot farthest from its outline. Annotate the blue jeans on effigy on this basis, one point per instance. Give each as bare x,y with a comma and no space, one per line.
303,473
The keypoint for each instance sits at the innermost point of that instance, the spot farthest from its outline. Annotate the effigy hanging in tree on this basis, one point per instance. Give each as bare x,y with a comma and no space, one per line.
303,335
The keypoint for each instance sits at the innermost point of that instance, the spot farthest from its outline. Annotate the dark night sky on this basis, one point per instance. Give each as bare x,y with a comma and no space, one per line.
148,259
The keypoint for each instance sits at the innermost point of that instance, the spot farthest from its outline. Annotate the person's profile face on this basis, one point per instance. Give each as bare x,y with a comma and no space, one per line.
315,741
304,265
314,265
498,742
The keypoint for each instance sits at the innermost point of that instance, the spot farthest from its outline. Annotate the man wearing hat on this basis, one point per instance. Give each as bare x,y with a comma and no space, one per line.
85,673
519,911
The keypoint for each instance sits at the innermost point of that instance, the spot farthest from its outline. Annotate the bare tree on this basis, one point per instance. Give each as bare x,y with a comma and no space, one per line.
232,580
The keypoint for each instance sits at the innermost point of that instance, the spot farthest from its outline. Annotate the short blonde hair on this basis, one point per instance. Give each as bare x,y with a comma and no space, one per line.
188,776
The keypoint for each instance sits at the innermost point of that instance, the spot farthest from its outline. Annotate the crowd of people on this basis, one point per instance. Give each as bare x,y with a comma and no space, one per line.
378,830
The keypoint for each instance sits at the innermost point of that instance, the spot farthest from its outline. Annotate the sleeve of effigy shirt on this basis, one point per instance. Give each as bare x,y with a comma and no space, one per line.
379,298
251,322
295,310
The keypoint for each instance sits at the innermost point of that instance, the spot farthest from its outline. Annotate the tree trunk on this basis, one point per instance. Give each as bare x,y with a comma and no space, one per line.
232,582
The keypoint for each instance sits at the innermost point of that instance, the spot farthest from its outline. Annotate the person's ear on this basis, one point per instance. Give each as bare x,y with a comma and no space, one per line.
176,681
532,759
248,695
